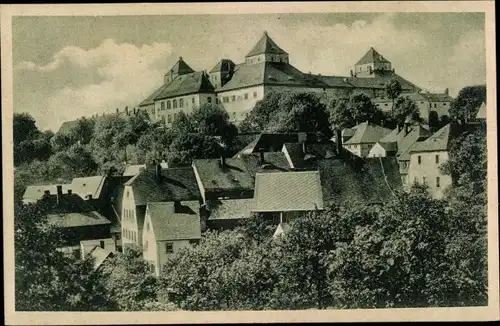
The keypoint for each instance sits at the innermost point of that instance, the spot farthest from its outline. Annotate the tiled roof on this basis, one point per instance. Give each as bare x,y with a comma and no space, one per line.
368,132
171,223
151,98
334,81
265,45
288,191
272,142
99,255
357,179
379,81
323,150
230,208
436,97
174,184
88,186
271,73
72,211
133,169
180,67
237,173
372,56
440,140
36,192
195,82
481,113
223,65
399,141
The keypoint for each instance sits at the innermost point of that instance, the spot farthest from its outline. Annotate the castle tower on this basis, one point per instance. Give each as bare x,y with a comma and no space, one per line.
222,73
266,50
180,68
372,64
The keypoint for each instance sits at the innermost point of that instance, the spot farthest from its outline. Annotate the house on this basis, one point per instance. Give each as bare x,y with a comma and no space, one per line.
273,142
99,256
133,169
226,214
365,136
426,158
82,227
34,193
153,185
169,227
285,195
304,155
234,178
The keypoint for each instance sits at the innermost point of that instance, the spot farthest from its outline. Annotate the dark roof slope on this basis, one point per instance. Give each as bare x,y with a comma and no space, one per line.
223,65
196,82
151,98
265,45
362,180
379,80
172,222
440,140
372,56
175,184
180,67
323,150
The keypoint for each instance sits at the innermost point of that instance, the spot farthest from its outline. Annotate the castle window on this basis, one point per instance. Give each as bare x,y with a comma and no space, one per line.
175,104
169,119
435,105
209,99
438,183
246,96
162,105
168,105
225,99
233,98
254,94
181,103
192,100
419,159
437,159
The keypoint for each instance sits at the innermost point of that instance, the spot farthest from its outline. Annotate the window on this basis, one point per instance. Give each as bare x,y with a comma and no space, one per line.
192,100
193,242
175,104
430,105
225,99
385,104
169,118
216,100
209,99
438,183
101,244
419,159
254,94
437,159
233,98
181,103
76,253
168,105
153,110
246,96
128,193
162,106
118,237
424,180
169,247
435,105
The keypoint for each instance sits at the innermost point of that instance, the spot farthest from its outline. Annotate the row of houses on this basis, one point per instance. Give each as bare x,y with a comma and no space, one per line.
160,209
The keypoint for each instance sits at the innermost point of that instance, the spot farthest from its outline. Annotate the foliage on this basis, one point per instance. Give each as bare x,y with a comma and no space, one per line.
29,142
45,279
393,89
405,108
467,103
186,147
357,109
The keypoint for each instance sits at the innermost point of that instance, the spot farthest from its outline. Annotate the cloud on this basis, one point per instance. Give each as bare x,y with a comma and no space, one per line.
128,74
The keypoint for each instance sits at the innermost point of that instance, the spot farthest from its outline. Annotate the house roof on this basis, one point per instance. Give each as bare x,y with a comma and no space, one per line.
399,141
288,191
36,192
361,180
223,65
175,223
323,150
133,169
379,80
180,67
237,173
265,45
88,186
174,184
334,81
481,113
72,211
436,97
271,73
368,132
151,98
99,255
272,142
230,208
195,82
440,140
372,56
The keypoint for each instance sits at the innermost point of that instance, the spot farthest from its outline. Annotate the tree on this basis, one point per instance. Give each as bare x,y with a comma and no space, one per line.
24,127
405,108
45,279
211,120
434,123
393,89
262,113
467,103
186,147
77,161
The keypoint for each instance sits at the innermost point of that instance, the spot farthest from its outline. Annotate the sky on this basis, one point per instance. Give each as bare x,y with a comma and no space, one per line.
68,67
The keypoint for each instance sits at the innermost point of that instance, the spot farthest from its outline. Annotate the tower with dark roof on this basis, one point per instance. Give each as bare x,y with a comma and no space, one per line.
266,50
372,64
222,73
180,68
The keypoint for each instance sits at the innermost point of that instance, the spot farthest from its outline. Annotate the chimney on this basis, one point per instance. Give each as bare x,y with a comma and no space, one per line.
203,217
222,160
59,194
177,206
407,128
126,110
117,111
352,74
46,193
88,197
70,192
133,110
447,91
261,151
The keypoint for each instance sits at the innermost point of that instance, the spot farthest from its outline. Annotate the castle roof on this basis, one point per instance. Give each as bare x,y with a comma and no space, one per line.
180,67
191,83
266,45
223,65
372,56
379,81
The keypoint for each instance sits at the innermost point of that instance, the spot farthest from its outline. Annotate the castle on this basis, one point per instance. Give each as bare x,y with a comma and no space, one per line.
266,68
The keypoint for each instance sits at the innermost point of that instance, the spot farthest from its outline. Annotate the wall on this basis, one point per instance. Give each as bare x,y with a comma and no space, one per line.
429,169
149,244
87,245
129,225
162,254
377,151
240,107
190,102
360,150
